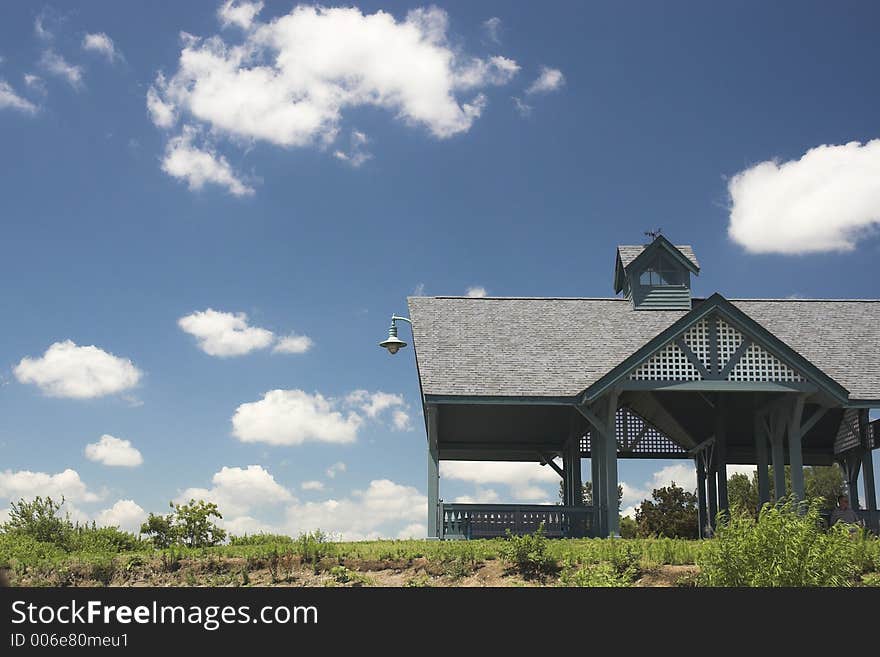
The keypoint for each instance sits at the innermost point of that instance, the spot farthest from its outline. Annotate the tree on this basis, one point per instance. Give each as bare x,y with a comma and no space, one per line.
39,519
742,493
671,513
628,527
587,494
825,483
188,524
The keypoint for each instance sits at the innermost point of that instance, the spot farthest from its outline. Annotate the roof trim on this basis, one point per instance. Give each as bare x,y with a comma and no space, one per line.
719,304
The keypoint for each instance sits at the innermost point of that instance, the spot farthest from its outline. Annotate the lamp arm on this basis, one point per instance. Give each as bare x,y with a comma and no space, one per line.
394,318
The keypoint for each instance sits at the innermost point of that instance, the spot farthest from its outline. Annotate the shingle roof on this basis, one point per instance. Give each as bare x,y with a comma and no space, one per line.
558,347
629,252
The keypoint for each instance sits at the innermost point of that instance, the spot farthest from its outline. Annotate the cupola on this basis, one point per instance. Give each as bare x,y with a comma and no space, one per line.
656,276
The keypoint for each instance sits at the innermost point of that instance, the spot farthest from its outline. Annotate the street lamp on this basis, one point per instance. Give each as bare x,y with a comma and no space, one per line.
393,344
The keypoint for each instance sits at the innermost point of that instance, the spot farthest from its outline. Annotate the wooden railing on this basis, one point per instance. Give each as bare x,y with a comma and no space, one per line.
493,520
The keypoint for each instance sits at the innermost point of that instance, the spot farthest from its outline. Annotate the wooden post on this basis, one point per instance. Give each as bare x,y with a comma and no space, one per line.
721,454
597,463
777,431
867,461
711,480
701,496
762,461
434,521
795,453
613,522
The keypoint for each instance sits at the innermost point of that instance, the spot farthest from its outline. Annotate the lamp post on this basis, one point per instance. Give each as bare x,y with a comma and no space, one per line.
394,344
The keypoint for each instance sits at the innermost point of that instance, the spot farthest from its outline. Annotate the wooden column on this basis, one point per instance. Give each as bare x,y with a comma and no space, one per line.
777,433
434,520
795,454
597,468
712,492
867,461
762,458
613,522
702,515
721,454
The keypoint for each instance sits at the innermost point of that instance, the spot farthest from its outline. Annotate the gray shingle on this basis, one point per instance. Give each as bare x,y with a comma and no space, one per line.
559,347
630,252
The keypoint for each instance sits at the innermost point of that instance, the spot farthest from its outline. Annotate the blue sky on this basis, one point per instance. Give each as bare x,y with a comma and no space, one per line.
154,167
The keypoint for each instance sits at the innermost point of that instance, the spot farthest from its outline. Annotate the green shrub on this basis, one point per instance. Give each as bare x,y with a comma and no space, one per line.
602,574
785,546
39,519
528,553
312,546
261,539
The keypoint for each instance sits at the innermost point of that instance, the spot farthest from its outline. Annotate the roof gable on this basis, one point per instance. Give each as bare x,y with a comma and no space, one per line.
717,342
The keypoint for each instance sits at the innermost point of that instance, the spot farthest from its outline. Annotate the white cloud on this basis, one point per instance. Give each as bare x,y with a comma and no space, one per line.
197,166
240,14
476,292
110,450
41,29
225,334
293,417
161,113
4,516
125,514
530,493
357,153
379,511
67,370
241,525
237,491
35,82
102,44
825,201
550,79
400,420
481,496
291,79
683,474
312,485
57,65
335,469
9,99
26,484
293,344
512,473
415,530
493,28
523,108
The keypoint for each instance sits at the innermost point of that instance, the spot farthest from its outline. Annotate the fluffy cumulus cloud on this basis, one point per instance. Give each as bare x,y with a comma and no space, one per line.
199,165
239,14
58,66
125,514
102,44
548,80
113,451
239,491
825,201
26,484
385,509
476,292
289,81
312,485
225,334
68,370
294,417
480,496
10,99
527,482
293,344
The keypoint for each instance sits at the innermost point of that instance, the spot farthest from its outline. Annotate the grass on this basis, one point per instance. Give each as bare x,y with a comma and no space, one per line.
576,562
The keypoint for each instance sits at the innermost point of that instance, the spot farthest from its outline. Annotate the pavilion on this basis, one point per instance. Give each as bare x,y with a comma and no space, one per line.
651,373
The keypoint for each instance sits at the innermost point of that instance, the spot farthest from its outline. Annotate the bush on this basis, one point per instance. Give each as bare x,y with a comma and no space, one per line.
188,524
602,574
261,539
39,519
528,553
785,546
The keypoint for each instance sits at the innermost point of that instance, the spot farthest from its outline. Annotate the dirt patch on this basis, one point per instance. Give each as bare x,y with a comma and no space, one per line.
665,576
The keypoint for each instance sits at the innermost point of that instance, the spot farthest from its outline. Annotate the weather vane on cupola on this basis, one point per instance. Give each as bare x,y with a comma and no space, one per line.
654,234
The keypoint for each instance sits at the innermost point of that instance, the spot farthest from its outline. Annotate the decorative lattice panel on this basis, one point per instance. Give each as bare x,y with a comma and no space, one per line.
697,340
758,364
668,364
729,340
637,437
848,433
